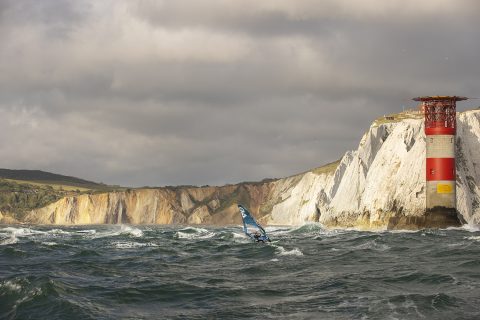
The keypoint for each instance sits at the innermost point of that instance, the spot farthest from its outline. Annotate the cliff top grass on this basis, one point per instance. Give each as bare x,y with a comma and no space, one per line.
25,190
326,169
18,197
397,117
54,186
47,178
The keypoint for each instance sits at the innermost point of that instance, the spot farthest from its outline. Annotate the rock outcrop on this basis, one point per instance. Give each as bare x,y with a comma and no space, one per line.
380,185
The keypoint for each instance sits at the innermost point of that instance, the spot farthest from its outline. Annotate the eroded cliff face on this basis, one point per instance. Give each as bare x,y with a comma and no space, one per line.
380,185
187,205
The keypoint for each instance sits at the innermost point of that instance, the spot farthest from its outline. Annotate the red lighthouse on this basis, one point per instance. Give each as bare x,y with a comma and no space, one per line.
440,130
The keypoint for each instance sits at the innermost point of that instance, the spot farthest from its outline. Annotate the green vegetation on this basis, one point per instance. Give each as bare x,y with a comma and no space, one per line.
20,198
397,117
25,190
56,181
328,168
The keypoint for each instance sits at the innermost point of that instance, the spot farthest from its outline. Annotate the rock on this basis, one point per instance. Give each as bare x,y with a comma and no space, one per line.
199,216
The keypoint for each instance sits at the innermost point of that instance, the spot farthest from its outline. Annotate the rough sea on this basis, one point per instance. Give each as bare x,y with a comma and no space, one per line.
159,272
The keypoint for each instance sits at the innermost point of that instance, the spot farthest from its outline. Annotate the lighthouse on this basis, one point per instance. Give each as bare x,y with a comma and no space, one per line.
440,130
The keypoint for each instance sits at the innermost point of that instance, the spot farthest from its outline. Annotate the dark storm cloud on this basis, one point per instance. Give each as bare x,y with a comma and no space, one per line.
212,92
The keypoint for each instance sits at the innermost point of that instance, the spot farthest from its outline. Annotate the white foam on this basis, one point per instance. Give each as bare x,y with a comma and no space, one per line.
194,229
137,233
11,286
277,229
88,231
471,228
241,238
239,235
129,245
194,233
57,231
281,251
48,243
476,238
184,235
124,229
372,245
13,234
21,232
11,240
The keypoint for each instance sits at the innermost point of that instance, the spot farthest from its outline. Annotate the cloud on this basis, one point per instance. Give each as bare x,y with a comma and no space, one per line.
212,92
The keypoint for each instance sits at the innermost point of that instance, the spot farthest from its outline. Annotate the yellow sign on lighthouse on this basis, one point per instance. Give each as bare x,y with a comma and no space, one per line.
444,188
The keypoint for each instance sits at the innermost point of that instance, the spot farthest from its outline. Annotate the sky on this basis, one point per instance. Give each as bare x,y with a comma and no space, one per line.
211,92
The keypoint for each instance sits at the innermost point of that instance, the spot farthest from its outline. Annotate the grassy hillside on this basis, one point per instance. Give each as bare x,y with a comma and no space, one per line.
47,178
24,190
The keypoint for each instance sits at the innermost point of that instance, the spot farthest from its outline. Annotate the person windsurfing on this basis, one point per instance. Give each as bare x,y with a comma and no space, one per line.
251,226
257,236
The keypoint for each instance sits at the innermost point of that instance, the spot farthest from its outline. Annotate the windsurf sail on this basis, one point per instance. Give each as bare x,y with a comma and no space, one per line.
251,226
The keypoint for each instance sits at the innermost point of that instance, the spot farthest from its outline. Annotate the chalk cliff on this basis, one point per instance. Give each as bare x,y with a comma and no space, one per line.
380,185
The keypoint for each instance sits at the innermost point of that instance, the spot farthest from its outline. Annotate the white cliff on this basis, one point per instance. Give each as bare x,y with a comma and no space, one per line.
383,181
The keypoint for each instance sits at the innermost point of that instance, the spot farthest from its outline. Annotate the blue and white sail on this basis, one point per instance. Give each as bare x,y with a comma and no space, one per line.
251,226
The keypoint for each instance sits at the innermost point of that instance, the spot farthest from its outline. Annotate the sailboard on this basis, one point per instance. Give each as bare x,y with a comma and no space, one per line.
251,226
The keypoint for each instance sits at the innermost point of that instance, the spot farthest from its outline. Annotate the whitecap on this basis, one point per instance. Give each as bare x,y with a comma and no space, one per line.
88,231
194,229
240,238
373,245
22,232
135,232
199,235
239,235
476,238
123,230
13,234
129,245
470,228
57,231
48,243
194,233
10,285
277,229
309,227
11,240
281,251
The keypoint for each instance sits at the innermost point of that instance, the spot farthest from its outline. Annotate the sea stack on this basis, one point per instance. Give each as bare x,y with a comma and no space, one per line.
440,130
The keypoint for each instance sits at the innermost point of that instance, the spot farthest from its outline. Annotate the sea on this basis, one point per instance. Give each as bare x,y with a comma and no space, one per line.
185,272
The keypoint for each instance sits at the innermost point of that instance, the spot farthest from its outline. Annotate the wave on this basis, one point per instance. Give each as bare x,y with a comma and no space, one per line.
123,230
49,243
372,245
130,245
476,238
9,240
277,229
58,231
281,251
240,238
311,227
21,232
10,286
12,234
193,233
135,232
88,231
470,228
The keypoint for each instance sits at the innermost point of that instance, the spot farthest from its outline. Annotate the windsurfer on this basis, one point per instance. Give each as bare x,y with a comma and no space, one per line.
258,237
